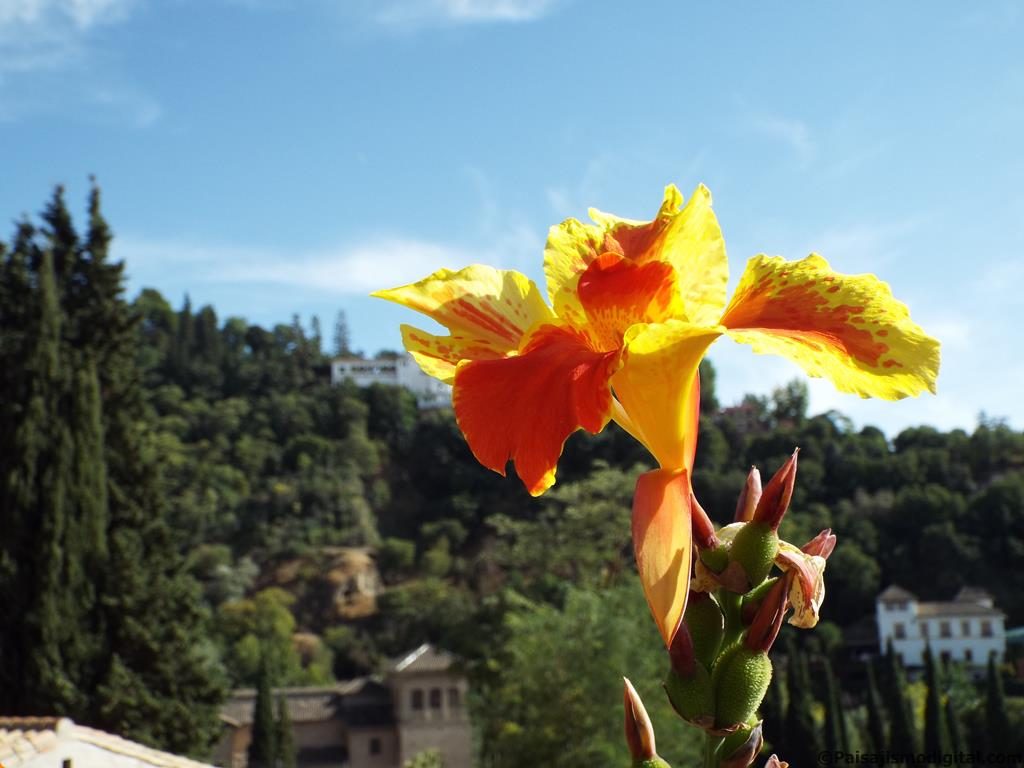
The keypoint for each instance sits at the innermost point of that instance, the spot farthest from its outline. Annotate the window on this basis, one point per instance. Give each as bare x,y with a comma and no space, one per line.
374,746
417,699
965,628
435,698
899,631
945,630
924,629
968,654
986,628
454,698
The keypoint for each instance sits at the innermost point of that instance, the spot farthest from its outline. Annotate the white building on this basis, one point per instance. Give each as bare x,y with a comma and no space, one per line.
967,629
397,371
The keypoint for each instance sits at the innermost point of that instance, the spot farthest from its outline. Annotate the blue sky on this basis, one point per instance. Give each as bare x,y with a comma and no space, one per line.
272,157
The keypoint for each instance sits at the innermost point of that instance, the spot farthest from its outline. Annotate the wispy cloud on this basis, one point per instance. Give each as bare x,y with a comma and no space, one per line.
46,34
425,12
794,133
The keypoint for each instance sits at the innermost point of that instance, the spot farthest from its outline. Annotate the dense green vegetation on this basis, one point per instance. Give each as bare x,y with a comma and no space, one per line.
166,463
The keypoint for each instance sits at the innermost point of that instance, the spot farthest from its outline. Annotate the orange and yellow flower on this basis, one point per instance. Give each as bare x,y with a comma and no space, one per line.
632,308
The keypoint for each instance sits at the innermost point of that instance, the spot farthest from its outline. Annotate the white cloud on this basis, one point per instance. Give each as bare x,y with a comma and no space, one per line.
794,133
420,12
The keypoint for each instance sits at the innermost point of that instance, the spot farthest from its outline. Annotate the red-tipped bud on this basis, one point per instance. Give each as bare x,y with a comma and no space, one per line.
703,529
750,494
777,494
746,751
821,545
774,762
768,619
681,653
639,731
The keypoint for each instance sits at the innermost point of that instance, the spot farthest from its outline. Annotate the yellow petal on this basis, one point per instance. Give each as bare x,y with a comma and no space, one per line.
657,386
690,240
846,328
662,545
571,247
487,311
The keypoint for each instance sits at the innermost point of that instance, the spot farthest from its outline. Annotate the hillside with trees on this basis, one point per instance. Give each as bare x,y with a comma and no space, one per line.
185,497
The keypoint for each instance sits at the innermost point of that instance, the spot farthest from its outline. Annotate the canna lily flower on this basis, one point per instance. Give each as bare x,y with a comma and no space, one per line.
633,308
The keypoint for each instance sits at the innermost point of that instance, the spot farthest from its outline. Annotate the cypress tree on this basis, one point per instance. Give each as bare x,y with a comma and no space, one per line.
936,736
997,722
956,738
263,747
835,721
773,714
876,715
286,755
802,740
903,737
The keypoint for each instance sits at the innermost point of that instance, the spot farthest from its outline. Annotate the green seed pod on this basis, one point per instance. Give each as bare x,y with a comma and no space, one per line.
707,625
755,548
692,698
740,681
716,559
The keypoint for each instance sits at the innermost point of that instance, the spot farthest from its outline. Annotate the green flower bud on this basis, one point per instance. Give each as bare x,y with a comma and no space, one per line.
755,548
716,559
654,762
707,625
692,698
740,682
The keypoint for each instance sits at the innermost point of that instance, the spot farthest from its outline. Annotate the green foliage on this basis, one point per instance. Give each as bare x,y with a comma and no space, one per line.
263,746
551,694
287,755
997,721
902,734
430,758
936,734
876,715
802,741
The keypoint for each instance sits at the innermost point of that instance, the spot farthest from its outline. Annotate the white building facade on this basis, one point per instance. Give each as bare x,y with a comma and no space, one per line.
966,629
400,371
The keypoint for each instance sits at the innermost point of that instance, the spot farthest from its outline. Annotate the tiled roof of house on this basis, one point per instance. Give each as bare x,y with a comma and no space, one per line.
308,703
925,610
896,593
22,739
426,658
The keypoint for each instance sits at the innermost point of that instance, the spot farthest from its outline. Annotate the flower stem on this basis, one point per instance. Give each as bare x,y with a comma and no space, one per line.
711,745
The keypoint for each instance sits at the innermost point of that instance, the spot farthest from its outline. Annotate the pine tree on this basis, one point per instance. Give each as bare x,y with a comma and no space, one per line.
997,722
876,715
802,741
835,720
903,737
263,747
341,338
286,755
936,736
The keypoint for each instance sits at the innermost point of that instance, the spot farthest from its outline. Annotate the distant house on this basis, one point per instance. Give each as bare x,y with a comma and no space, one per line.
967,629
57,742
400,371
418,705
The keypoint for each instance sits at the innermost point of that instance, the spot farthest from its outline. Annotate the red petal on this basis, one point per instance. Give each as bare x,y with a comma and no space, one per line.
524,407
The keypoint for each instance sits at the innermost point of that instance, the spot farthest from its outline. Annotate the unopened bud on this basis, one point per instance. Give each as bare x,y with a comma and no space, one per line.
821,545
741,748
639,731
707,626
715,559
703,529
774,762
753,599
750,494
754,548
777,494
768,620
692,697
740,680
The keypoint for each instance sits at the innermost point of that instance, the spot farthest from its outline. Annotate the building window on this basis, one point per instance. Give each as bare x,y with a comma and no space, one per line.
968,654
417,699
435,698
986,628
454,698
965,628
374,746
924,629
899,631
945,630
